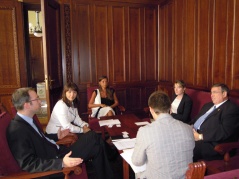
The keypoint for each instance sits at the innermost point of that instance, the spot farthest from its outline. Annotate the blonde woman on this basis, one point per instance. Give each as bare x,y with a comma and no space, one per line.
182,104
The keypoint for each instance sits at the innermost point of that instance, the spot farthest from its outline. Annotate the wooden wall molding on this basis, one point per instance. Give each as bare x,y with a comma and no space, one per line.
68,49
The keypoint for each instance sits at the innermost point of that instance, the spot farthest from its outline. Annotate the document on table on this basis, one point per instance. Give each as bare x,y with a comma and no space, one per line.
142,123
127,154
122,144
109,122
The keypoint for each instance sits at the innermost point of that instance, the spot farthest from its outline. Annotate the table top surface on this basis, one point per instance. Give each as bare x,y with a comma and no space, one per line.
127,125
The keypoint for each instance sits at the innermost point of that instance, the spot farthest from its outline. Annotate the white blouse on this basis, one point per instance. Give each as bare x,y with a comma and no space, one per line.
103,111
63,116
174,105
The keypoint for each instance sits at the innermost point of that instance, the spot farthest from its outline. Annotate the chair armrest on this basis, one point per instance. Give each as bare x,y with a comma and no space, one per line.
73,135
226,147
121,108
89,112
68,140
196,169
77,170
26,175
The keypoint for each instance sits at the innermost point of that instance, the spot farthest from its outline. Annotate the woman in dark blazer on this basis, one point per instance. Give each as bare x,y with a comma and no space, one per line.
182,104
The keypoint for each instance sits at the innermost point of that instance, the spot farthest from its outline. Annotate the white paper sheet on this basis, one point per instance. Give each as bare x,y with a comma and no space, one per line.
127,154
142,123
124,143
109,122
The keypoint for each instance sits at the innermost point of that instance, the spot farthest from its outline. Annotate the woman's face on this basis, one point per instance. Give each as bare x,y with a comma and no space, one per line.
104,83
178,89
71,95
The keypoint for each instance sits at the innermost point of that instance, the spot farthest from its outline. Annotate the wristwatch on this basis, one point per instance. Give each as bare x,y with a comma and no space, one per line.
200,137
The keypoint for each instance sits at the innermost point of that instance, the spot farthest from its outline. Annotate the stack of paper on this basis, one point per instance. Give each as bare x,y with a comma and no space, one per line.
122,144
142,123
109,122
127,154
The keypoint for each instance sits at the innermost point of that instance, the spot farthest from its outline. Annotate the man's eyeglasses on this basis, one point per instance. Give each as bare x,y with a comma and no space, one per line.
215,92
34,99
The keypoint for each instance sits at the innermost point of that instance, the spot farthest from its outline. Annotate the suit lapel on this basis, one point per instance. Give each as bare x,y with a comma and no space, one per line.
42,138
23,122
220,108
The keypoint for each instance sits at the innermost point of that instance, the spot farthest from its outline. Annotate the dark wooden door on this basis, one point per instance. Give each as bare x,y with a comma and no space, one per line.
52,51
12,57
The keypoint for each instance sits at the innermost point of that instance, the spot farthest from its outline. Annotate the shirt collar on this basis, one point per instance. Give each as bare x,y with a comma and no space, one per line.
220,104
26,118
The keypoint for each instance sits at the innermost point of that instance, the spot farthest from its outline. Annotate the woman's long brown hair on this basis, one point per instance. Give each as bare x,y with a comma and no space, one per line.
109,92
67,87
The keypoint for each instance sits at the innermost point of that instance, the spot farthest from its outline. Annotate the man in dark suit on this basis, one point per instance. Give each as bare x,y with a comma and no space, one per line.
217,122
34,152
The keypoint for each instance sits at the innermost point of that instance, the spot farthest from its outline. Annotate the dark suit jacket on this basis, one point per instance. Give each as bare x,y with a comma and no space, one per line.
32,152
184,109
220,126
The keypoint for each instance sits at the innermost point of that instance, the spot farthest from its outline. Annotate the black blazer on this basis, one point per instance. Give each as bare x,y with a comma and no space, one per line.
32,152
222,124
184,109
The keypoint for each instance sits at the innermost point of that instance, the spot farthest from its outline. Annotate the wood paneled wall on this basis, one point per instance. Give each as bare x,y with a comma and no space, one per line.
199,43
117,39
140,45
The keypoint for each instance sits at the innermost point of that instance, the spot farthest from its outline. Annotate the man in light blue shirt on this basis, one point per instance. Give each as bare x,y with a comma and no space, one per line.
34,152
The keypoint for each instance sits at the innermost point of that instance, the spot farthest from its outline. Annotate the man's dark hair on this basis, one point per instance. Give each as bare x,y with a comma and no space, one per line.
223,86
159,102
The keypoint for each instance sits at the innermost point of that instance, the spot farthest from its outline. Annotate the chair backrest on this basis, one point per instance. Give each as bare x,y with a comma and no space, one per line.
8,164
196,170
199,98
90,91
234,100
2,108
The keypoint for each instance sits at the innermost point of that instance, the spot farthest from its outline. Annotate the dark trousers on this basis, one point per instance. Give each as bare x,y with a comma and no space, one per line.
205,150
91,146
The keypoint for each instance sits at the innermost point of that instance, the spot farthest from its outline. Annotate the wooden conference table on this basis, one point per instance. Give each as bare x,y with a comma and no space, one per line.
128,125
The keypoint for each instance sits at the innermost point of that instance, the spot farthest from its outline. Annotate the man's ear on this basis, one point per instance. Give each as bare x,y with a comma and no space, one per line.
26,105
224,94
151,110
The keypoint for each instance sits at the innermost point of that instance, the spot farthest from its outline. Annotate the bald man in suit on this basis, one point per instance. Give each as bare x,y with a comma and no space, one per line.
217,122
